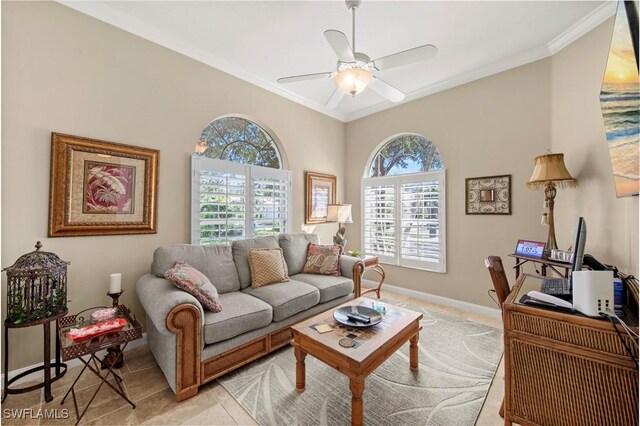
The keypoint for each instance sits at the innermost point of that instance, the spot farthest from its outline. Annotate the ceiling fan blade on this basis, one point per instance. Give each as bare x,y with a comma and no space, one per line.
335,99
304,77
340,45
386,90
406,57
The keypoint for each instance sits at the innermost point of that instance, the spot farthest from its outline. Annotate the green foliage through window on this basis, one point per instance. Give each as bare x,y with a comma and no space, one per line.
238,140
406,154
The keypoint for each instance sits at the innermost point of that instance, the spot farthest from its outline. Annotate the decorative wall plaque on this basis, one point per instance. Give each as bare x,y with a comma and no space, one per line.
488,195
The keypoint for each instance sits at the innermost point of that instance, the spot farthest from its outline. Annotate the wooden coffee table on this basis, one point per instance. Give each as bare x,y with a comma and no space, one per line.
373,346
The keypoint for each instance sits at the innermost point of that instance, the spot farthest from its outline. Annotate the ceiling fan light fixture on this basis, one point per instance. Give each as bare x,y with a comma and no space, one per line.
353,80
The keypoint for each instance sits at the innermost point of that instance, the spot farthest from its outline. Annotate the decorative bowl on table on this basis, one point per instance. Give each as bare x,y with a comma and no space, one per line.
104,314
344,316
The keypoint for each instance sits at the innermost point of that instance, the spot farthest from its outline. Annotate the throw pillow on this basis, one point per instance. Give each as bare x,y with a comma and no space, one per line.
267,267
323,260
189,279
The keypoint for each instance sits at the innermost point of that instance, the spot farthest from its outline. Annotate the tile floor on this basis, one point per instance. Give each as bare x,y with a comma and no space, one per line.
213,405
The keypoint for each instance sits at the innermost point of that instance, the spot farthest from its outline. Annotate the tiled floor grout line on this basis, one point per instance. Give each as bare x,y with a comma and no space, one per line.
229,414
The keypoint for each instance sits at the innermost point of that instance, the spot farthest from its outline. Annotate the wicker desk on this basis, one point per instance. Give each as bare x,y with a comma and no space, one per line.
565,369
555,265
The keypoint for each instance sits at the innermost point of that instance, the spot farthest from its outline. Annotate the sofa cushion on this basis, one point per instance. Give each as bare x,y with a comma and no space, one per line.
286,299
240,313
267,267
241,248
214,261
189,279
330,287
294,249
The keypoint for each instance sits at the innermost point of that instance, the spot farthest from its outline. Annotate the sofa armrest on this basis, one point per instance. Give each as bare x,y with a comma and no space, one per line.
159,297
352,267
347,265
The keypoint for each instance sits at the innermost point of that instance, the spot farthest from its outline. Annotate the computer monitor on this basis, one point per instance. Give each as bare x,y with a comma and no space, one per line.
579,241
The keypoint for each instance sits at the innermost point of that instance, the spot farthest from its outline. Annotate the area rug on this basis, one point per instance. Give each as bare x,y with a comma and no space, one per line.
458,360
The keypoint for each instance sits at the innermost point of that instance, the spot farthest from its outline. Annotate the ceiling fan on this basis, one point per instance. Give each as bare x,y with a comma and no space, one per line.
355,70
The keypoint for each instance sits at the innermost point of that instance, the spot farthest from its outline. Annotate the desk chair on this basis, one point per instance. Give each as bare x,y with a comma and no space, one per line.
501,286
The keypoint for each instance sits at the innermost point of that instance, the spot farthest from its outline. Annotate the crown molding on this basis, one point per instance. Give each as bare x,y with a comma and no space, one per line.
460,79
104,13
583,26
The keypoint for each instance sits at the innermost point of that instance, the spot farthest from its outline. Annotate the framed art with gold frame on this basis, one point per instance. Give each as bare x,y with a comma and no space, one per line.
101,188
320,191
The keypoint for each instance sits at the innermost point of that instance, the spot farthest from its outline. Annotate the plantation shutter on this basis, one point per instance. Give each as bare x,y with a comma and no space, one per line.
271,195
420,222
379,218
232,201
404,220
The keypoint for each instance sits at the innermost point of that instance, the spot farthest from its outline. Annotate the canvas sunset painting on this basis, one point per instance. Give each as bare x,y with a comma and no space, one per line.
108,188
620,102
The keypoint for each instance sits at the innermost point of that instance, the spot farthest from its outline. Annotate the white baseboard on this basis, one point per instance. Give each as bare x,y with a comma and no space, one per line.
70,364
440,300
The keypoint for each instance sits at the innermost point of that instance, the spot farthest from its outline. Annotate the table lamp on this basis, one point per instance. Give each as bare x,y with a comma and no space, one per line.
550,173
340,213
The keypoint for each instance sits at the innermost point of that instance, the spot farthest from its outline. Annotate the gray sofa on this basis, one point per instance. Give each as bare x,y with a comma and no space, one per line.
194,346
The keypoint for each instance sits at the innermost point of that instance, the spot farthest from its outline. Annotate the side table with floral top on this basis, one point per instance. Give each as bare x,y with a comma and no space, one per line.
80,349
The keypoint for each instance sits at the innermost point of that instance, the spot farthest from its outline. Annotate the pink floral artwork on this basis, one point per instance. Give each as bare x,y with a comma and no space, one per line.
108,188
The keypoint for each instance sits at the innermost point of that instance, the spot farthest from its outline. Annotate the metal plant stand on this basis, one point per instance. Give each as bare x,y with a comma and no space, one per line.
36,295
46,367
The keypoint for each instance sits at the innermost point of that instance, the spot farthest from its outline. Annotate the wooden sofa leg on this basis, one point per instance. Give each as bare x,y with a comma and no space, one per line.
184,320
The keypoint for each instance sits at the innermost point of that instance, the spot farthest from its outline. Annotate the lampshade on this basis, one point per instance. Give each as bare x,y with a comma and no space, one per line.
340,213
551,168
353,80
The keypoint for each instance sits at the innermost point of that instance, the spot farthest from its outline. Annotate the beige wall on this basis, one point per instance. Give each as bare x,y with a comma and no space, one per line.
577,130
63,71
492,126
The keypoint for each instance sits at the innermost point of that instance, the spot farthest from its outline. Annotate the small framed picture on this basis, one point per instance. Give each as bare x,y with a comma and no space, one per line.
101,188
488,195
320,191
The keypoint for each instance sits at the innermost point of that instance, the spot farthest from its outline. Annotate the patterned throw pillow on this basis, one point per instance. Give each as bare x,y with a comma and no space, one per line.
267,267
323,260
189,279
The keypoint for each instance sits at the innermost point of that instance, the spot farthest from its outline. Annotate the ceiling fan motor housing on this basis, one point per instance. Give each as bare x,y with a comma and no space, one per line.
362,61
352,3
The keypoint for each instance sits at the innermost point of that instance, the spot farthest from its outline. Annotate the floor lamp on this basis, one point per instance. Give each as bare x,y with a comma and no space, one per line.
550,173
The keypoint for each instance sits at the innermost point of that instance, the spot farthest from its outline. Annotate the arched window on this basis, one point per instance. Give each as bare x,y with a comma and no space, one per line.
403,204
239,187
238,140
406,153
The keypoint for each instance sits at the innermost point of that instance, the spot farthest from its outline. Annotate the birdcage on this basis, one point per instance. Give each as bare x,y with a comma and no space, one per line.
36,288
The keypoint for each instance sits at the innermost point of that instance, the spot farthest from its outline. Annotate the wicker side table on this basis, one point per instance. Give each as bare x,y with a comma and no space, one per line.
71,350
371,263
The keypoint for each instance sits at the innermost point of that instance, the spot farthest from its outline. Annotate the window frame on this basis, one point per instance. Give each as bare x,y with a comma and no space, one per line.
249,172
397,181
